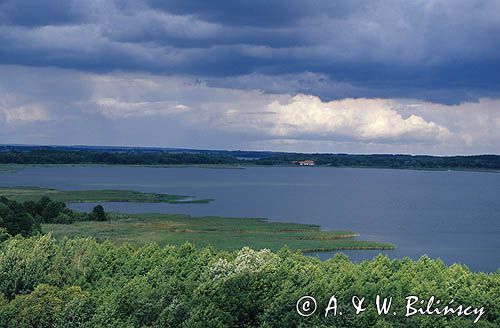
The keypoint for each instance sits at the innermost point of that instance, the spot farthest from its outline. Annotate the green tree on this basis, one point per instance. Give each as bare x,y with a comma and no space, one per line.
16,220
52,211
98,213
84,283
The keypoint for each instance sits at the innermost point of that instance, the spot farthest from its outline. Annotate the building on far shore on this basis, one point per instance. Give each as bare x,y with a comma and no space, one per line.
306,162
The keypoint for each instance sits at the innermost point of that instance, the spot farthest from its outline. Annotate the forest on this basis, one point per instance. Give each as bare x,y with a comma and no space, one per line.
25,218
131,156
111,158
83,283
478,162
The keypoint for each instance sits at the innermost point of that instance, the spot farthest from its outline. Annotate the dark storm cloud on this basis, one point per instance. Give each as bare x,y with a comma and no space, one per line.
267,13
35,13
433,50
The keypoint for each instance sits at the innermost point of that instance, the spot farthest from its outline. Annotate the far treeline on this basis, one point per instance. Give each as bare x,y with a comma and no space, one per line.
142,157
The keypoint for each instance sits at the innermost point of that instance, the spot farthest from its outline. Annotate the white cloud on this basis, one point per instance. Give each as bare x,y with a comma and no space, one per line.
306,117
25,114
477,123
114,108
361,119
183,111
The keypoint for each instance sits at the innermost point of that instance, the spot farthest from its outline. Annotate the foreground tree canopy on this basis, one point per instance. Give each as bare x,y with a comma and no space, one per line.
83,283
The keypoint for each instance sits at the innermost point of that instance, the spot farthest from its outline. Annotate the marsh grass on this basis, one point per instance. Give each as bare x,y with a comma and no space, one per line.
22,194
220,232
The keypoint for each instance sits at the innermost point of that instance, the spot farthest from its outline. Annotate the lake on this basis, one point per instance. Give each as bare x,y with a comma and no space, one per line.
450,215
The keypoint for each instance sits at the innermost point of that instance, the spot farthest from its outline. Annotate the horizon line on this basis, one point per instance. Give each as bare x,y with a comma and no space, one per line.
237,150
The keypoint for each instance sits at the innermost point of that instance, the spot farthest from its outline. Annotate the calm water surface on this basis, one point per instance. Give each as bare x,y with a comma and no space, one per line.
454,216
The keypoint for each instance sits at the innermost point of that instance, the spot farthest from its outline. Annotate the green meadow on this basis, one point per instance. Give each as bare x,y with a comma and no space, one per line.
222,233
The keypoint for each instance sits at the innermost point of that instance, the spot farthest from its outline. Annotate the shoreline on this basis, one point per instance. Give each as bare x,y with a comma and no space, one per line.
12,167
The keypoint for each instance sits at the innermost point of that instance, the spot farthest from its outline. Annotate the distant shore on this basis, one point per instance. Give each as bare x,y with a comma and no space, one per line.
16,167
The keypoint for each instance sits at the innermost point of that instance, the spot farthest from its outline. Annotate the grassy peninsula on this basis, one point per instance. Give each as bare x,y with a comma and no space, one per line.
220,232
23,194
44,206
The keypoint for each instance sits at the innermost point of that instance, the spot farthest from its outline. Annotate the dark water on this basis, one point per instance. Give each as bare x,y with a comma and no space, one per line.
454,216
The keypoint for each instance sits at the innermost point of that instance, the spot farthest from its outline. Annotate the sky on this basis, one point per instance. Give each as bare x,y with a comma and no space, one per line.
348,76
